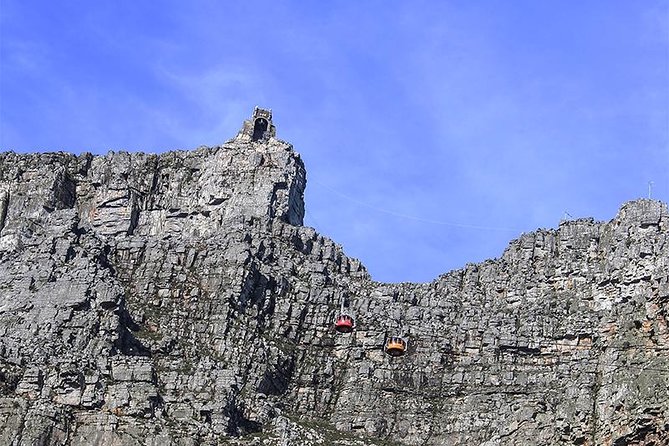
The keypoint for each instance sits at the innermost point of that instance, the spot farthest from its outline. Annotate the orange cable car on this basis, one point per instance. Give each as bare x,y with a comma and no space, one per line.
344,323
395,346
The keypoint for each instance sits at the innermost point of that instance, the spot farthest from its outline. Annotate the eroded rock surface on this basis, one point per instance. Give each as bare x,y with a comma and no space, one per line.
176,299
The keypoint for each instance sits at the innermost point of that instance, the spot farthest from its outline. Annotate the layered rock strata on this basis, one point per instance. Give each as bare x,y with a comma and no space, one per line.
176,299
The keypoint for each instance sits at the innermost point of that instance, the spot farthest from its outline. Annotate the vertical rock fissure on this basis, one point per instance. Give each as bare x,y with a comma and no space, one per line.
4,206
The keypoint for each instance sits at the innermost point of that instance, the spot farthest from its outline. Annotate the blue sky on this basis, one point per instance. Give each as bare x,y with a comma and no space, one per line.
433,132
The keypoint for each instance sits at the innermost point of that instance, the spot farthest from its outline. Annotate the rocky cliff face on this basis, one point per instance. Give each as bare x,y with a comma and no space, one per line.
176,299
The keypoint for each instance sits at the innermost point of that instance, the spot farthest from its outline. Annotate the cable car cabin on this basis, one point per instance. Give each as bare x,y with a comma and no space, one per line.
344,323
395,346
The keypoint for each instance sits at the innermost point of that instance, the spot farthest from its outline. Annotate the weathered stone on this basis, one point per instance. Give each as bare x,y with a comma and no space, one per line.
175,299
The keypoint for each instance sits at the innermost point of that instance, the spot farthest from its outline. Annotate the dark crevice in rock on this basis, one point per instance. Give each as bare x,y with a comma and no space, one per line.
102,259
523,350
63,194
4,205
276,380
134,215
127,344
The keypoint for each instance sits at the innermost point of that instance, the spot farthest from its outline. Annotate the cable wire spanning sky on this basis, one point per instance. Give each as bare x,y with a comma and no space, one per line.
433,132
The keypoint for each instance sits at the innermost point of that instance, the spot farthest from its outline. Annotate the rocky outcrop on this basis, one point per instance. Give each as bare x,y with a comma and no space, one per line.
176,299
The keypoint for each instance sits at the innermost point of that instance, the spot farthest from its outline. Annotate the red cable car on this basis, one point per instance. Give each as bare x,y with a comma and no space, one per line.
344,323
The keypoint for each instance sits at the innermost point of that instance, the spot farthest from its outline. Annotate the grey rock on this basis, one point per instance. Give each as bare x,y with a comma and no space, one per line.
176,299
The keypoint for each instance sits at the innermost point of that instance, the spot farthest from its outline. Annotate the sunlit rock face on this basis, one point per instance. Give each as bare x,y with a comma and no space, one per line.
176,299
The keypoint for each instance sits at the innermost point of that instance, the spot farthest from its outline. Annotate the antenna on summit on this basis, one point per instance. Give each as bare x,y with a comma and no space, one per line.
650,188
